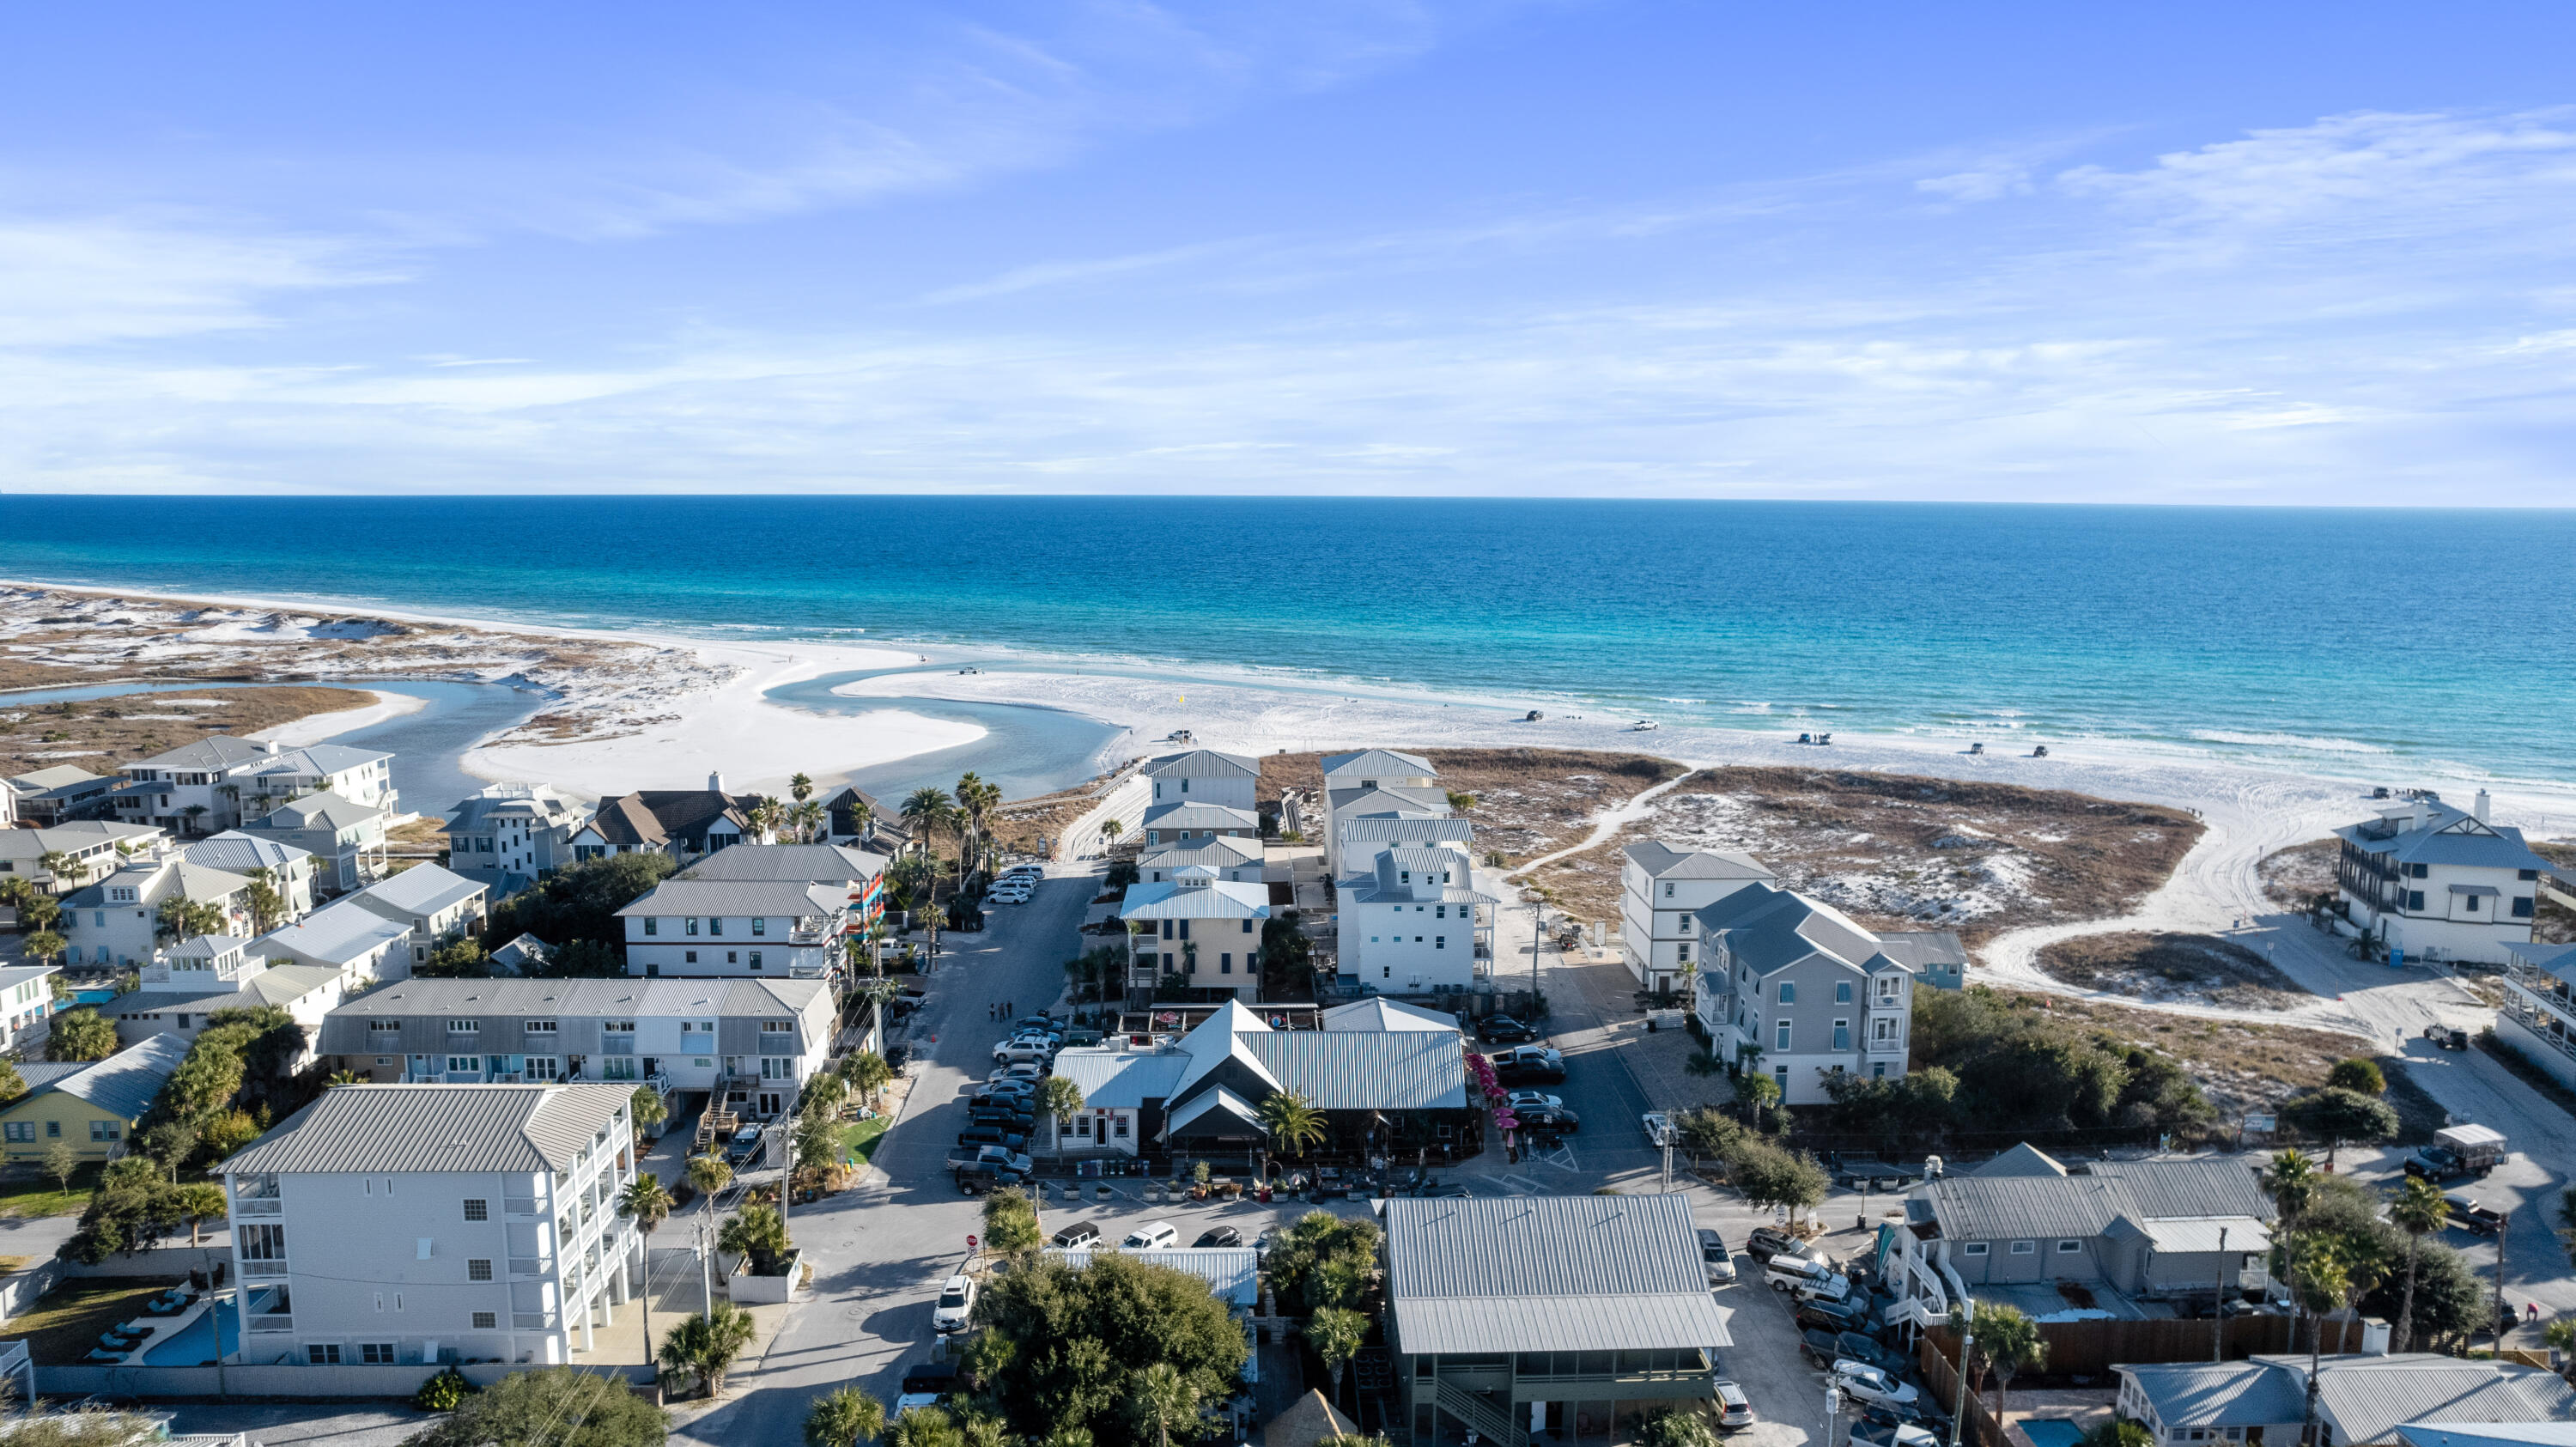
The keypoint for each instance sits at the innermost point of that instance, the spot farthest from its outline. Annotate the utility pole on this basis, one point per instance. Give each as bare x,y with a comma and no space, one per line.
1536,904
786,1176
2218,1306
2504,1230
1965,1316
707,1281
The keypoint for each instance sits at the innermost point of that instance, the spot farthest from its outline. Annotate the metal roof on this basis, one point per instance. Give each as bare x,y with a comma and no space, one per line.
341,934
1216,899
2487,1434
124,1083
1663,861
1581,1273
1222,1102
2220,1394
792,899
422,889
1233,1273
1406,829
2367,1396
1923,948
614,998
1203,764
280,985
1983,1207
1365,1070
1378,761
1380,1013
1387,800
2557,960
2448,836
317,811
411,1128
797,863
237,853
1121,1079
2199,1235
215,751
1771,929
1200,816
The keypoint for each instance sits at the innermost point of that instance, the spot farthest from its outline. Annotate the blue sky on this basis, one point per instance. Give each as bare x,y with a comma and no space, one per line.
2182,253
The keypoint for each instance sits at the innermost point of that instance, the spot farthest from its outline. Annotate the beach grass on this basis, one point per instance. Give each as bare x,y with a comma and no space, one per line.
2203,967
120,728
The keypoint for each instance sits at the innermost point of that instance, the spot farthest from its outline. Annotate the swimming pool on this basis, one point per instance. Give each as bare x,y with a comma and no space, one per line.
194,1346
2051,1432
92,997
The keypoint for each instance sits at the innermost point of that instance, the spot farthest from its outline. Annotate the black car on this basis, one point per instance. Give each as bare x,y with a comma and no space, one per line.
1549,1120
1504,1030
987,1135
1847,1315
1220,1236
933,1379
1529,1072
1855,1347
983,1180
1818,1349
898,1055
1080,1233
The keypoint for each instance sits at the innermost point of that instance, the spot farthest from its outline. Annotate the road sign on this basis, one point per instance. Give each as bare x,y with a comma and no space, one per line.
970,1243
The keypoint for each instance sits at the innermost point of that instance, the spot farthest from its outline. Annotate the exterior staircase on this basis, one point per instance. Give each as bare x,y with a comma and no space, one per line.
1494,1424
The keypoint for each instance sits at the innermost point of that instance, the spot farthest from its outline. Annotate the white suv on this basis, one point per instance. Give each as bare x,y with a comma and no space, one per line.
956,1305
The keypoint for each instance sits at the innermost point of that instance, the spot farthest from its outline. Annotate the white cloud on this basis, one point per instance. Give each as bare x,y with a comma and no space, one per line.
69,282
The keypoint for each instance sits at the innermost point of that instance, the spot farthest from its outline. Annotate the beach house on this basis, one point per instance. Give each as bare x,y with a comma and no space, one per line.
358,942
2435,882
1376,783
781,929
509,836
118,921
399,1224
91,846
1416,921
1230,857
2539,1014
191,980
54,795
288,870
853,817
2362,1399
858,874
1661,892
94,1108
436,905
2010,1230
1600,1310
686,824
345,836
220,782
1795,983
1194,937
750,1043
26,1004
1200,794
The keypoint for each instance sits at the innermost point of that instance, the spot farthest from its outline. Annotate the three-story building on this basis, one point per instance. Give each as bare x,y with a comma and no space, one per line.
1661,892
2438,883
1798,985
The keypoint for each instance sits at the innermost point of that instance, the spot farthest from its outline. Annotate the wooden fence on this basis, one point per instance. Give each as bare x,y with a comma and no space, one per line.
2092,1348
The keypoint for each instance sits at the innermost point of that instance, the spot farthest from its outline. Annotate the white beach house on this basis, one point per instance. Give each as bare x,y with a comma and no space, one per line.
346,937
93,846
345,836
1231,857
220,782
780,929
1416,922
1377,783
289,869
509,836
398,1224
2437,882
1799,983
191,980
117,920
436,906
1661,892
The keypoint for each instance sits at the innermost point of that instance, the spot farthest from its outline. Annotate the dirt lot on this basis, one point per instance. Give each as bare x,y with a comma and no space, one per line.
1527,801
1896,851
2245,1066
2293,876
2172,969
99,734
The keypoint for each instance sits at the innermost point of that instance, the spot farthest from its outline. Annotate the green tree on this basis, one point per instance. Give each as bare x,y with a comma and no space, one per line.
2341,1115
2120,1432
2007,1341
924,1427
1772,1177
816,1145
800,787
1323,1260
2358,1074
1059,1098
1706,1134
867,1073
709,1173
44,945
549,1407
925,809
170,1144
2320,1273
1679,1427
182,918
1165,1398
844,1418
80,1035
2419,1210
132,1211
648,1206
2291,1179
60,1163
705,1347
458,959
1336,1333
267,905
647,1108
1291,1125
1757,1093
758,1232
580,902
201,1201
1066,1347
1011,1223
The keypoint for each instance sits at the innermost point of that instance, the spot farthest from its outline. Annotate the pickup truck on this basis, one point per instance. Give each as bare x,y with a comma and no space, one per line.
2471,1217
2457,1152
995,1158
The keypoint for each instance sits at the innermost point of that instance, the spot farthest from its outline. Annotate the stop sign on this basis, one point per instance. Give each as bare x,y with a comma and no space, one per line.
970,1243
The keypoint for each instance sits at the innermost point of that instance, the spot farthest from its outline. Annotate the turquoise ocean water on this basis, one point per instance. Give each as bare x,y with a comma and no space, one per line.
2443,641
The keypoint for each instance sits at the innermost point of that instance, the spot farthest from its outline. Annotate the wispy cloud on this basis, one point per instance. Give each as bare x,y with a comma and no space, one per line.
80,280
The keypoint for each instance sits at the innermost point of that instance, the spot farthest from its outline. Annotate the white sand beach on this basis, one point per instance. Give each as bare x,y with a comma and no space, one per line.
314,728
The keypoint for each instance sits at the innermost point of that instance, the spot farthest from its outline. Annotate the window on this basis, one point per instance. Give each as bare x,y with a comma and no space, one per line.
102,1130
2472,902
1842,992
1121,1128
2522,907
2414,899
486,1320
692,957
733,957
652,926
619,1027
261,1241
1783,1042
478,1268
478,1209
464,1064
378,1353
1887,989
1225,964
1882,1032
755,959
385,1027
1973,1248
715,925
53,1130
2025,1248
1668,891
2069,1248
1788,992
1842,1034
1684,956
22,1130
540,1027
689,926
464,1027
323,1353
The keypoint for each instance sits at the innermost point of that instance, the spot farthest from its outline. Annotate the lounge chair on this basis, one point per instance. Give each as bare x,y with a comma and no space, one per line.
101,1354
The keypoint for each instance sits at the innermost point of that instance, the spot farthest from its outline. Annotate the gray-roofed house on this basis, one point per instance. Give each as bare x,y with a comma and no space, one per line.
1661,892
58,794
1343,808
345,836
403,1224
857,873
525,955
1514,1314
1379,1013
2362,1400
94,846
507,837
2488,1434
117,921
2539,1014
26,1004
1415,921
358,942
1232,1273
1401,1093
1169,823
787,928
1203,776
751,1042
1937,956
2128,1230
220,782
1798,980
1197,933
2438,882
290,869
191,980
1232,857
94,1109
436,905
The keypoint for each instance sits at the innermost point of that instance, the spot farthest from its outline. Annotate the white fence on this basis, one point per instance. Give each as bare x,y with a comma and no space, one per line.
1123,799
69,1383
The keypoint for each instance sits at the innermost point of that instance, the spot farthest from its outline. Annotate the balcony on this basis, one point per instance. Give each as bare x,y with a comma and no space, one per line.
271,1321
527,1266
533,1320
262,1268
258,1206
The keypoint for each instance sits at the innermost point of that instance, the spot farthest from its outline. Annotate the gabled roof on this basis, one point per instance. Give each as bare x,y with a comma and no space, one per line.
215,751
162,879
423,889
321,760
783,863
2022,1160
1224,851
655,817
72,837
1663,861
1309,1421
1406,829
1378,1013
1924,949
1203,764
279,985
1362,803
1994,1207
2369,1395
1216,899
521,952
60,776
2556,960
1122,1079
338,934
1378,761
2449,836
1364,1070
1233,1113
1219,1038
123,1084
1200,816
462,1128
514,801
2487,1434
1771,929
205,947
680,895
324,810
241,853
2220,1394
1617,1273
616,997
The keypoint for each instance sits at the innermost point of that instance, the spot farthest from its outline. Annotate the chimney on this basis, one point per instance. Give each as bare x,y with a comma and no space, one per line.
2423,813
2480,808
715,781
268,746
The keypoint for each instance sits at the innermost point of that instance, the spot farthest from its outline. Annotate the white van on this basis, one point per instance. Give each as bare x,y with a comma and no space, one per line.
1805,1280
1152,1236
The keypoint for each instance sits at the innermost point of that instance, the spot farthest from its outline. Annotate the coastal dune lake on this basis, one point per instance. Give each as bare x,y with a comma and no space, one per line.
2299,638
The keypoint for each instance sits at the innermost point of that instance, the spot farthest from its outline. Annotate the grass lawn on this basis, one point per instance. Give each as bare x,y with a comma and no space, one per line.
28,1193
860,1138
65,1322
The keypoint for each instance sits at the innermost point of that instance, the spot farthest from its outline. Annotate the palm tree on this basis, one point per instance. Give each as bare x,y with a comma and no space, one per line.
1165,1399
808,817
922,1427
1679,1427
182,918
860,814
710,1174
2319,1276
2419,1210
839,1419
926,809
1291,1125
2291,1178
59,866
650,1205
1110,829
1059,1098
43,945
194,812
2007,1341
800,787
1336,1333
647,1108
705,1346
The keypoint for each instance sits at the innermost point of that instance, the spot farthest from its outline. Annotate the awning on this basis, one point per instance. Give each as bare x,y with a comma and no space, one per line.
1220,1114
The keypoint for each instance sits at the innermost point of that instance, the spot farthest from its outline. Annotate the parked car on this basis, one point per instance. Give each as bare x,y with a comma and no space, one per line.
1659,1129
744,1146
1734,1409
1536,1100
1081,1035
1015,1085
1022,1052
984,1180
1152,1236
956,1305
1866,1383
1805,1280
1866,1351
989,1154
1715,1258
1849,1314
1219,1236
2471,1217
1549,1120
1769,1241
1530,1073
1893,1434
1080,1233
1817,1349
1003,1114
1504,1030
926,1383
993,1135
1529,1055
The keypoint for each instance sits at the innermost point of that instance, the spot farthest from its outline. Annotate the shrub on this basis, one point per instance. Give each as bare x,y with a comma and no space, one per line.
444,1392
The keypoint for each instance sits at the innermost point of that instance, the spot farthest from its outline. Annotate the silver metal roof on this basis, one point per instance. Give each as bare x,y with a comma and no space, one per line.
412,1128
609,999
317,811
1233,1273
2367,1396
2448,836
1364,1070
2025,1207
791,899
797,863
1121,1079
423,889
1215,899
1547,1273
239,853
1771,929
1195,815
2220,1394
1378,761
1663,861
1415,829
1381,1014
1203,764
124,1083
339,934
